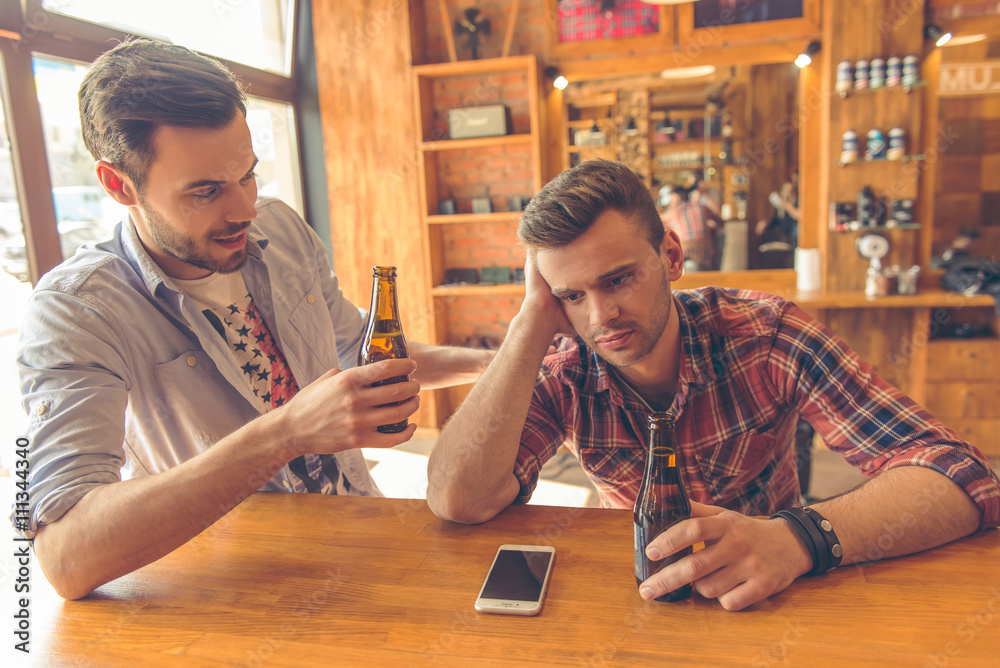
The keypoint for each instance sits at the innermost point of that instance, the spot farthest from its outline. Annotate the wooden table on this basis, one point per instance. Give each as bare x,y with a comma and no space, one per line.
297,580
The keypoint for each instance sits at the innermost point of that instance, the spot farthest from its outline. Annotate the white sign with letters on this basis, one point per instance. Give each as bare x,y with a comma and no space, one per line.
969,79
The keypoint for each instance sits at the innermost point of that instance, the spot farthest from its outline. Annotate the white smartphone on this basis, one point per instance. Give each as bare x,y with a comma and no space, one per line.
517,580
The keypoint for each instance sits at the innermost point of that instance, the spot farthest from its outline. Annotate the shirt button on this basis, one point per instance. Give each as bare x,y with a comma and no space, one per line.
191,360
310,299
41,409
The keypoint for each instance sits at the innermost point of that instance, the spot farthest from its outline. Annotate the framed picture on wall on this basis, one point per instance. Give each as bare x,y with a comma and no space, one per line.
713,22
583,27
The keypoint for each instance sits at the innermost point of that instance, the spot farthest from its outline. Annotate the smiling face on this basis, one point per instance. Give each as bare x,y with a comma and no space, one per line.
198,199
615,290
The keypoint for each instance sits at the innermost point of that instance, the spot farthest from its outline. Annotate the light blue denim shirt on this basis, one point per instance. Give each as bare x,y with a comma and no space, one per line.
122,376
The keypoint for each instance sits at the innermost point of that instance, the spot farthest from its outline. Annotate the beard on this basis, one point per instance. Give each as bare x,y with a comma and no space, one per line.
190,250
646,334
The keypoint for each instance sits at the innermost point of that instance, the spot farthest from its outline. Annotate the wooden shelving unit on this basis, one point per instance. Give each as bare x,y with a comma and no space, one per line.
490,75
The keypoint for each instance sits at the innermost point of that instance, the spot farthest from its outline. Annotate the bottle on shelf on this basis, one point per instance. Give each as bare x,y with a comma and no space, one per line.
861,75
893,72
845,78
383,339
897,144
849,150
911,71
875,145
876,76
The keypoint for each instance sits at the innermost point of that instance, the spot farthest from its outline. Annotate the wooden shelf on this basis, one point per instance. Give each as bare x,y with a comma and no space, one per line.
579,149
478,142
495,217
876,228
474,289
866,91
520,75
687,143
880,161
926,299
587,123
468,67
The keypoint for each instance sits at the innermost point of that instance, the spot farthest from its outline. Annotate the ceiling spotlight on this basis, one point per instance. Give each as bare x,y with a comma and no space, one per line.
933,31
558,80
630,128
806,56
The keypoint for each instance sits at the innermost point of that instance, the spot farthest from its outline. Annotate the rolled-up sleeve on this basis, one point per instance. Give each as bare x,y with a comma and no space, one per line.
865,418
74,388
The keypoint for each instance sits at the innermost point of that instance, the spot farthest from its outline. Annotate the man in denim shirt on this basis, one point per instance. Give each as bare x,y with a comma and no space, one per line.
201,354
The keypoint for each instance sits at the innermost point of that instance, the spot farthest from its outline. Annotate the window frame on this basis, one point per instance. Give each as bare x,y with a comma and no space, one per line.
27,29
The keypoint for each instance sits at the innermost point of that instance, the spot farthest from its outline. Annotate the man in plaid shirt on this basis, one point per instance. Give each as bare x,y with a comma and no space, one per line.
735,368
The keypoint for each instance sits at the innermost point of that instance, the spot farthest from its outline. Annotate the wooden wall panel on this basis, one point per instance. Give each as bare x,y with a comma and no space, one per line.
363,58
873,28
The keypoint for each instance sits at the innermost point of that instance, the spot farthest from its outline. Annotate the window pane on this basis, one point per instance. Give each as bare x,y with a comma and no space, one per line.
12,253
272,130
83,211
14,293
253,32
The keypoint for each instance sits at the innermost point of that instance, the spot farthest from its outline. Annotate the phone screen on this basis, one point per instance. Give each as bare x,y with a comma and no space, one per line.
517,575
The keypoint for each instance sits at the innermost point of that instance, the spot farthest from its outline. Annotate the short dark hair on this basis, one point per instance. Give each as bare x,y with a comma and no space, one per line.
142,84
570,204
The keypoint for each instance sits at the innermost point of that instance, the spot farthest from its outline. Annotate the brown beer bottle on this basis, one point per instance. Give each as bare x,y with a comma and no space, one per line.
661,503
384,335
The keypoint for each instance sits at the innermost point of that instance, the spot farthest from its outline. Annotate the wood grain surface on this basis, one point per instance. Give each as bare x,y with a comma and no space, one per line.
301,580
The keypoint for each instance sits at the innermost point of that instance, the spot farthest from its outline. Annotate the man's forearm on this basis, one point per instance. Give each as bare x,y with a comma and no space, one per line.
119,527
445,366
470,472
904,510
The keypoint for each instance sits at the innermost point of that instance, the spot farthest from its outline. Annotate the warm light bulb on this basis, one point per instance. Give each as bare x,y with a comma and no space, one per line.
802,60
944,39
560,82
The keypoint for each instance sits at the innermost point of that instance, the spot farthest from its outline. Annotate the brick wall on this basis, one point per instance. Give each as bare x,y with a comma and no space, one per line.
494,172
472,318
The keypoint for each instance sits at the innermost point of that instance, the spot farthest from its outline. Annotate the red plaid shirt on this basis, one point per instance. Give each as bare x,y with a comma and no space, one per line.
688,220
583,20
751,364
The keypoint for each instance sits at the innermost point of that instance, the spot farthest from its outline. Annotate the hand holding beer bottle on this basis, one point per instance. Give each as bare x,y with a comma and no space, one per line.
383,338
660,504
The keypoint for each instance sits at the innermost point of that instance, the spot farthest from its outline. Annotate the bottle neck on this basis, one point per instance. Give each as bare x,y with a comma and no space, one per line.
383,305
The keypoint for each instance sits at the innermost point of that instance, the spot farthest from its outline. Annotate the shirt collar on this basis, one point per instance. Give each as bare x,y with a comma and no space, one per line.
152,275
591,375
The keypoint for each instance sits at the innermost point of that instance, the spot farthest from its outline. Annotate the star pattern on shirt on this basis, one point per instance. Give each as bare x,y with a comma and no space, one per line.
257,354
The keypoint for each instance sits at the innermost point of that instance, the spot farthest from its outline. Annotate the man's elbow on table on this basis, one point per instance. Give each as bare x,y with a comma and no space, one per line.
62,568
454,504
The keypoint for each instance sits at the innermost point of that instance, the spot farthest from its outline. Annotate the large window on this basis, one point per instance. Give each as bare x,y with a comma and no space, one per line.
253,32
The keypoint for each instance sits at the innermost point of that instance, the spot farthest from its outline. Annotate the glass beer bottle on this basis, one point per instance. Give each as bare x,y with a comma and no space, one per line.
383,338
661,503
